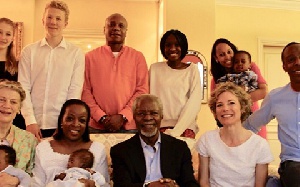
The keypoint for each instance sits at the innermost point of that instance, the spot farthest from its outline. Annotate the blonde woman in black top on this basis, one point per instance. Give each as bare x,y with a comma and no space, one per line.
8,61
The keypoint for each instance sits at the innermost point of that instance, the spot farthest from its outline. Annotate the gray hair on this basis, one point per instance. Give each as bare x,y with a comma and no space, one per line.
153,98
13,85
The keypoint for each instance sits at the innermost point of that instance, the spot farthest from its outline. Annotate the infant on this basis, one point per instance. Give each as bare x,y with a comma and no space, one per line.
7,162
79,167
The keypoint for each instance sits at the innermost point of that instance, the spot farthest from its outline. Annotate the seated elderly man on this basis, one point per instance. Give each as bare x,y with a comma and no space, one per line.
151,158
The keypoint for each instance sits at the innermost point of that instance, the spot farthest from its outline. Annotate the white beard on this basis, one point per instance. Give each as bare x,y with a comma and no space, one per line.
149,134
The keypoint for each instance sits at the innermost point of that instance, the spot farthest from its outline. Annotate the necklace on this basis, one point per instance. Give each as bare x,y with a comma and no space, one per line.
4,137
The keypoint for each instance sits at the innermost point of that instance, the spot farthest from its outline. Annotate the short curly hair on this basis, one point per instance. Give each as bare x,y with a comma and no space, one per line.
151,97
240,93
15,86
10,154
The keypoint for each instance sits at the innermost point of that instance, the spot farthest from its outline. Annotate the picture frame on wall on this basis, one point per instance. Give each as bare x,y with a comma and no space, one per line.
18,39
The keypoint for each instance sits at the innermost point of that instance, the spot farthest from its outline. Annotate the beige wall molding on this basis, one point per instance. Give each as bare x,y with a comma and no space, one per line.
263,42
18,39
92,33
86,39
273,4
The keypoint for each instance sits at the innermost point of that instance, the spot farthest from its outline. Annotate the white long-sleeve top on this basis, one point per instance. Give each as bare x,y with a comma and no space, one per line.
49,76
181,95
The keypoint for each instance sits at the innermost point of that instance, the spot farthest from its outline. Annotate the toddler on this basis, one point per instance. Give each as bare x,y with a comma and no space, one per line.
242,75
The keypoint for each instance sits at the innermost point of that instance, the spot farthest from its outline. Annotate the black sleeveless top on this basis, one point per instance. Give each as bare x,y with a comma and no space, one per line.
19,121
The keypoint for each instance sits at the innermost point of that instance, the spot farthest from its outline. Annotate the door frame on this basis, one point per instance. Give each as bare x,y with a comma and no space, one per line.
264,42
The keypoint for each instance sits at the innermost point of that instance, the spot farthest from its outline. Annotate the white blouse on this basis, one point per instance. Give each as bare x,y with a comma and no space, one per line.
49,163
233,166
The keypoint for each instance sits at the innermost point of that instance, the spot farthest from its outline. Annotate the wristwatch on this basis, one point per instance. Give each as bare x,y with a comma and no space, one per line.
124,119
102,119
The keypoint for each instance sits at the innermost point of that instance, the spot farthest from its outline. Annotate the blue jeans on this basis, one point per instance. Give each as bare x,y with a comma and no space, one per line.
273,181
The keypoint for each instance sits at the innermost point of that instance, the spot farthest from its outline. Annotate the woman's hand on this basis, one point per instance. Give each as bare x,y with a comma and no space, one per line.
7,180
60,176
87,182
260,93
189,133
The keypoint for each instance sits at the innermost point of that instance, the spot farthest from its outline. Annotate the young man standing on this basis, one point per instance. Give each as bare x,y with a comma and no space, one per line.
284,105
51,71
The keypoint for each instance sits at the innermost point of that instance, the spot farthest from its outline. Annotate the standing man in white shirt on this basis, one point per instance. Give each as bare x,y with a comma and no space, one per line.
51,71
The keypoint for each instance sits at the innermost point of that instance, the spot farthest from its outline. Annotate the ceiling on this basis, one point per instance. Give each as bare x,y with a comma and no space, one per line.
275,4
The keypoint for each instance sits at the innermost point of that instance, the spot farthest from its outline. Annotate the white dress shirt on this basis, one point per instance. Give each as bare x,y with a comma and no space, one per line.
49,76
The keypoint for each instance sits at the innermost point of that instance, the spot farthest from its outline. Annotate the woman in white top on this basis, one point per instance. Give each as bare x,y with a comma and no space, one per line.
178,85
72,134
231,155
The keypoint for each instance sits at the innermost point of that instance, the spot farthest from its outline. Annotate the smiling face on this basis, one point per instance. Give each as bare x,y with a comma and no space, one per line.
147,117
115,29
6,35
172,49
228,109
291,62
54,22
74,122
224,55
241,63
10,104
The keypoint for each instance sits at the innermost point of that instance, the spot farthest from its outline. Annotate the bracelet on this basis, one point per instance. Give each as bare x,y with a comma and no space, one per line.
146,184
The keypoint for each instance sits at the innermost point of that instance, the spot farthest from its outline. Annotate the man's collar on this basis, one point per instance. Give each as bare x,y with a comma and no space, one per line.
143,143
62,44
